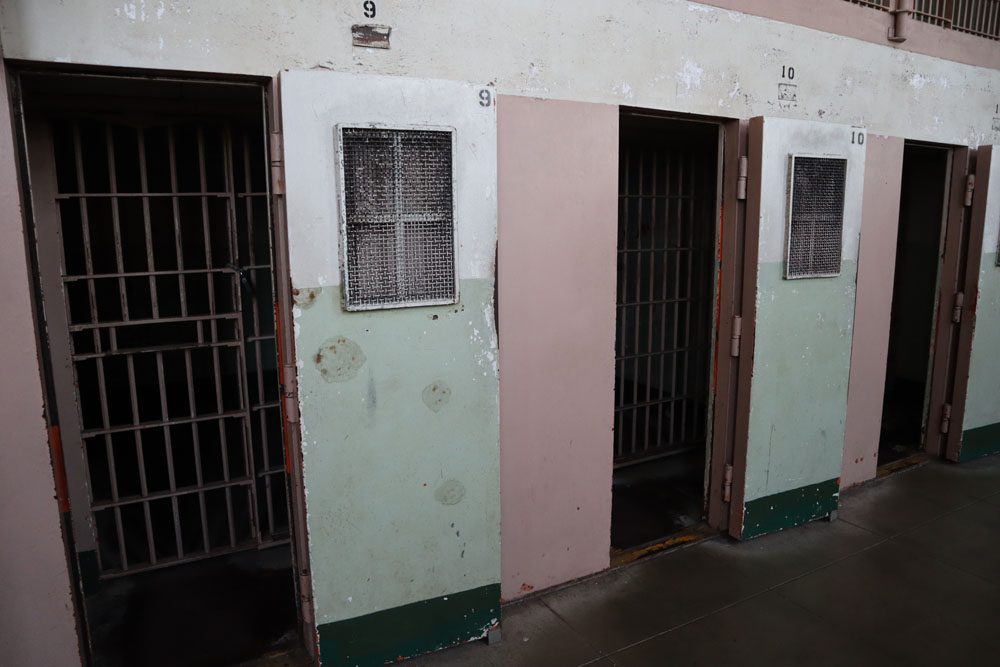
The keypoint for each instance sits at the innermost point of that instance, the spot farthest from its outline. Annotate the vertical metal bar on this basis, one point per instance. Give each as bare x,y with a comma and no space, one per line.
196,444
675,342
99,362
147,224
636,299
650,309
169,446
115,219
213,326
667,157
251,249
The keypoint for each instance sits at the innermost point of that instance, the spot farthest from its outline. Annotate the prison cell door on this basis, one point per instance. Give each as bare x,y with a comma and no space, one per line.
803,219
155,255
668,205
970,425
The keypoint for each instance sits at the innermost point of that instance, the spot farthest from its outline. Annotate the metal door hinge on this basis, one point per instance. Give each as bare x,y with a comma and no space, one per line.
945,417
277,152
727,483
970,187
956,310
737,336
289,398
741,182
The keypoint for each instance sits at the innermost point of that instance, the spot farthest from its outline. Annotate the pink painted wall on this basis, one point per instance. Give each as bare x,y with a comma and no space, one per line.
876,267
558,219
37,625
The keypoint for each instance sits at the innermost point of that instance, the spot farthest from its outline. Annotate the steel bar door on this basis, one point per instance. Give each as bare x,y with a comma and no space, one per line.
666,232
158,235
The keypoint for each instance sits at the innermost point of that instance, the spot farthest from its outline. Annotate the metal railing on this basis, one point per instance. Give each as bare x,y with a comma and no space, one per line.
976,17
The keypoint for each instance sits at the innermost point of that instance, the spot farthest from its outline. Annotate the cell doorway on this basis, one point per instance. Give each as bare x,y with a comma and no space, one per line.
151,216
667,216
923,210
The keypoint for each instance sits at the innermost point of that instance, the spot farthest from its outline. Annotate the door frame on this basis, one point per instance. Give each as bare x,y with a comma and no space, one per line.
283,325
980,166
729,395
952,341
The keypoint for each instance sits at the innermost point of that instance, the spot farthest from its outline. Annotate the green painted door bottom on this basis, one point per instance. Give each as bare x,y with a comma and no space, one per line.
789,508
421,627
979,442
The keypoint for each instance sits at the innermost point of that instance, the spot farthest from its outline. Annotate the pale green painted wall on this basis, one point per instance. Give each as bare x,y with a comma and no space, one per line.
802,356
982,406
402,486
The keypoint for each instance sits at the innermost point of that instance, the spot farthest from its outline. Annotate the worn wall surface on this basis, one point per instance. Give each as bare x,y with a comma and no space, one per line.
802,343
37,626
558,225
981,425
876,267
665,54
399,408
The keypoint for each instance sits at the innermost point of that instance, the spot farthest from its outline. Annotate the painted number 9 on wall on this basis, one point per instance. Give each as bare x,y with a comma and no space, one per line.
369,7
485,97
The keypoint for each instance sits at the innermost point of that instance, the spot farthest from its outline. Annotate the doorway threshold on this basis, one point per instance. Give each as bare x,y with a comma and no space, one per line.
690,535
905,463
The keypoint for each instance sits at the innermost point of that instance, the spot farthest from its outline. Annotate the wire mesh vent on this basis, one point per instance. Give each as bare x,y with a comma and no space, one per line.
399,220
816,217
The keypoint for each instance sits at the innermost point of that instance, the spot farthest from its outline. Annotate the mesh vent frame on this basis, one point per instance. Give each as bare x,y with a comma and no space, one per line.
398,240
814,228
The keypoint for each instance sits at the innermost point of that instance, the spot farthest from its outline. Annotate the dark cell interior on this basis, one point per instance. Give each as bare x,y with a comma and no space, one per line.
668,183
922,207
166,269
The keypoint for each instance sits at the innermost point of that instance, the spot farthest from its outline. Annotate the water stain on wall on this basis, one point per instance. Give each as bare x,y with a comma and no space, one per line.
449,492
339,359
436,395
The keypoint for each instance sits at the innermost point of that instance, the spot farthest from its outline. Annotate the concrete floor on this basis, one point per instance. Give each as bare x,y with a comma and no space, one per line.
909,574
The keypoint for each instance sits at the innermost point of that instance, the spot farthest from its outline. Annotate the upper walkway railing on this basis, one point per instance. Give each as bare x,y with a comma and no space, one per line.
976,17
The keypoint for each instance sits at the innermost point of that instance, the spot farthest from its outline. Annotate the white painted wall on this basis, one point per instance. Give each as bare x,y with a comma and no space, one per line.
666,54
315,103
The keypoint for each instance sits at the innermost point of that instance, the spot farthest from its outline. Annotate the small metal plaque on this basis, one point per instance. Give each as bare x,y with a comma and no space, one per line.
370,36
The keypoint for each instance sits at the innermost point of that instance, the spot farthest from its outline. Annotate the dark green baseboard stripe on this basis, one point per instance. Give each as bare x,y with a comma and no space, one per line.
403,632
789,508
982,441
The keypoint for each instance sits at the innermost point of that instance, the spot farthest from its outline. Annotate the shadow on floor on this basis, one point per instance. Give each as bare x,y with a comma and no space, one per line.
218,611
653,500
908,575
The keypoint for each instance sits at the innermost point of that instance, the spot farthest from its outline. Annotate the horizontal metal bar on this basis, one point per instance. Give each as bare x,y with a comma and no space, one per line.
134,195
654,403
627,195
183,491
686,299
659,249
165,422
155,348
153,320
627,460
147,274
265,406
661,353
271,471
250,546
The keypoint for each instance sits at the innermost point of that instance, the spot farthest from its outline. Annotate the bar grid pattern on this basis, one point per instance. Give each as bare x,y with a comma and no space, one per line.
666,230
399,218
167,276
816,217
